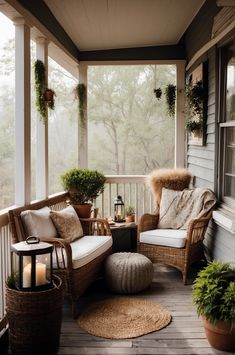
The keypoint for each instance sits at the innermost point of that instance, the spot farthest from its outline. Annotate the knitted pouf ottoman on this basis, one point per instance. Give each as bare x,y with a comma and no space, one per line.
128,272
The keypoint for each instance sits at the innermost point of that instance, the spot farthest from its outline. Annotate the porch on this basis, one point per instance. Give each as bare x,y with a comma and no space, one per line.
200,46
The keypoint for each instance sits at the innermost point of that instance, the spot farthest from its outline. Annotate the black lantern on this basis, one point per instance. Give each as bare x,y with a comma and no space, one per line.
33,266
119,210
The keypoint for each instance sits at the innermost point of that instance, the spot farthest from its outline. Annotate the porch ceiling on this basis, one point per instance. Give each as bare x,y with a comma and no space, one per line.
110,24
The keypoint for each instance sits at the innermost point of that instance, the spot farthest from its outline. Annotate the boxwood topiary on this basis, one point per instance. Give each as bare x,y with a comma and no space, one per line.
83,185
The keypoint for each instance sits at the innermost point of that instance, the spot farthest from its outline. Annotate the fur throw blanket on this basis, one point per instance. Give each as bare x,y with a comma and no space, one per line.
174,179
178,208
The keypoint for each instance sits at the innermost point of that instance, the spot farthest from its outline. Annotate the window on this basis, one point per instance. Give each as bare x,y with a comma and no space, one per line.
7,108
228,126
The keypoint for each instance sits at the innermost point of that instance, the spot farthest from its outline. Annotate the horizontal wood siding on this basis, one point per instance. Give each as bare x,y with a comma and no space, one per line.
201,159
220,244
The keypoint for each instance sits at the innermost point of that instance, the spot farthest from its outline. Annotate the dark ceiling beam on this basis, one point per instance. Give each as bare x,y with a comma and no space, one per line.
42,12
172,52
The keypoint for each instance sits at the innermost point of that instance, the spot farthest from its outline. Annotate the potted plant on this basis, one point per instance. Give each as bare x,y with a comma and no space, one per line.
214,296
170,93
83,186
130,214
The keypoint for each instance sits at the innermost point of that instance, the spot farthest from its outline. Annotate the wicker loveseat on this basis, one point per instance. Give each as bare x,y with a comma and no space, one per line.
77,268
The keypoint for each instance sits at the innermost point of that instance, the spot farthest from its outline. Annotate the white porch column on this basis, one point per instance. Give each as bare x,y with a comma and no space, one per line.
180,119
83,126
22,112
42,131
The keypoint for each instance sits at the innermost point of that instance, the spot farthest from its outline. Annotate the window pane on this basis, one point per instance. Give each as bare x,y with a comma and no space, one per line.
62,126
229,181
7,115
230,186
230,92
129,130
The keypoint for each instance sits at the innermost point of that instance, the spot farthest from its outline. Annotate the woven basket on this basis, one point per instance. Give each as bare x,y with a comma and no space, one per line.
35,319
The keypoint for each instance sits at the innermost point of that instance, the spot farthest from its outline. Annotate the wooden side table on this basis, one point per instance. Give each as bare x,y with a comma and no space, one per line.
124,237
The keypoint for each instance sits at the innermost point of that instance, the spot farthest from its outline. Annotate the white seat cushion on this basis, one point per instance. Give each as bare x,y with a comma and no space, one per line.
87,249
165,237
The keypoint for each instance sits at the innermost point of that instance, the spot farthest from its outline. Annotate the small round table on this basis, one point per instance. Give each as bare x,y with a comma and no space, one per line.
128,272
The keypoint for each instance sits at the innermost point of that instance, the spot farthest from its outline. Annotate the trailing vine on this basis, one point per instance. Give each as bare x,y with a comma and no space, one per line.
42,91
170,93
40,86
81,95
196,96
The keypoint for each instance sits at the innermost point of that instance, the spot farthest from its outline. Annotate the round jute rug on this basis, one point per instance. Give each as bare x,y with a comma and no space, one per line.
123,317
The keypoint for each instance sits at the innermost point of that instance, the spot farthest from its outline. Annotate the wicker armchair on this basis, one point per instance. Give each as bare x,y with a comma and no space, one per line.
180,258
75,280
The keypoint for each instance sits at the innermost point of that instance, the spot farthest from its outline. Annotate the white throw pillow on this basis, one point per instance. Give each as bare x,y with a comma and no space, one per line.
37,223
67,223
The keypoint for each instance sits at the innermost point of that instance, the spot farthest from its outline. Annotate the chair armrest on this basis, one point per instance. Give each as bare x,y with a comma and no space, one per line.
95,226
61,245
196,229
147,222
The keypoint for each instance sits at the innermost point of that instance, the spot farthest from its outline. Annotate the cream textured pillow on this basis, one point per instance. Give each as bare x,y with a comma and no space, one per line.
37,223
67,223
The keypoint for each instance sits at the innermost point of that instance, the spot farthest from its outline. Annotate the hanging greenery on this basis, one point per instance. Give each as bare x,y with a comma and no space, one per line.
158,93
81,95
194,127
196,97
44,95
40,84
170,93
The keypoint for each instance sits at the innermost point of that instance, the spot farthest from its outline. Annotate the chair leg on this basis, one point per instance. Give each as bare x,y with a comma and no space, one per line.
185,274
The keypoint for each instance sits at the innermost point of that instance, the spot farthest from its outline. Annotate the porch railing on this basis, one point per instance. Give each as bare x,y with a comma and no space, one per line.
134,192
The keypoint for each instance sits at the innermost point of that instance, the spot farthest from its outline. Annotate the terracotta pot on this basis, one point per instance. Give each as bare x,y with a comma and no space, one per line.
221,335
49,94
83,211
130,219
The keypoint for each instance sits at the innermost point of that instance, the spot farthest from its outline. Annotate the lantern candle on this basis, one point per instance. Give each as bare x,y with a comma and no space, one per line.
40,275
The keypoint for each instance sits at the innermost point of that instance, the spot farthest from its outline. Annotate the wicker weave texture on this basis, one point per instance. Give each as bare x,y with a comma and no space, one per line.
128,272
35,320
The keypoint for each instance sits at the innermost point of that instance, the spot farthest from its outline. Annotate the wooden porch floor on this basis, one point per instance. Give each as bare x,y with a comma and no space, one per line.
185,334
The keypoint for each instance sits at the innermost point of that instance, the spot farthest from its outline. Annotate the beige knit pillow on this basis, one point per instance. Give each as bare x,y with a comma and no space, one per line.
67,223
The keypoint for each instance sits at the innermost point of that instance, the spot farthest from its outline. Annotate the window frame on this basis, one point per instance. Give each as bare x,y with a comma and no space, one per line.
227,202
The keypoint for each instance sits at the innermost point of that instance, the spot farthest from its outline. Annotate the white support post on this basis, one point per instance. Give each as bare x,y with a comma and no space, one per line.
22,112
42,131
83,125
180,119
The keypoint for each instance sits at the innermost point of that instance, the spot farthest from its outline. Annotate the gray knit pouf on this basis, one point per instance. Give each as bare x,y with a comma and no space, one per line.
128,272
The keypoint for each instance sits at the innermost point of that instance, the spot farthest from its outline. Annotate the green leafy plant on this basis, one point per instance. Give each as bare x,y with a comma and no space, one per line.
81,95
12,281
214,292
170,93
130,211
42,91
196,96
83,185
40,85
158,93
194,126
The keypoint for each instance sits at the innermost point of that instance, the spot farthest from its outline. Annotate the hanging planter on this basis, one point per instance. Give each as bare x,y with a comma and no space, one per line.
170,93
195,127
44,96
49,97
